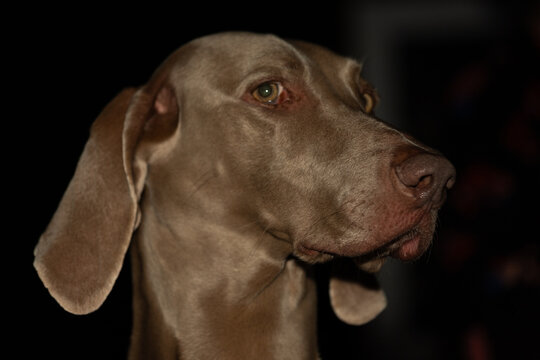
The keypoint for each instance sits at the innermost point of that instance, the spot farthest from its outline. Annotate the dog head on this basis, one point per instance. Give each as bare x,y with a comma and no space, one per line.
287,131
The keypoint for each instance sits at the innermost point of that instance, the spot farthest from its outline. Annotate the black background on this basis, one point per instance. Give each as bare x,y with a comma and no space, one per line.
476,98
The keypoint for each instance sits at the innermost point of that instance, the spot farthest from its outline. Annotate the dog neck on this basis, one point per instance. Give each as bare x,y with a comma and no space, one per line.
202,286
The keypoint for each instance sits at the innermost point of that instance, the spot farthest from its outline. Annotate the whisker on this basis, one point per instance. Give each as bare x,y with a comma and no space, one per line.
427,257
247,224
269,283
435,238
258,241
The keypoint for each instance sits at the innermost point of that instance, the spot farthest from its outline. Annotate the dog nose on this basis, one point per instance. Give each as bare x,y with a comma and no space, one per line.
426,178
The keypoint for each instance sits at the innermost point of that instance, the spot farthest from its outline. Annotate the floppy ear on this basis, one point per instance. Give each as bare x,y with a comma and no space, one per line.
355,295
80,254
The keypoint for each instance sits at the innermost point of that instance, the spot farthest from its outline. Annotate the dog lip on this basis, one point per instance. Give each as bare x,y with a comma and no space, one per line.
307,250
312,255
408,246
405,246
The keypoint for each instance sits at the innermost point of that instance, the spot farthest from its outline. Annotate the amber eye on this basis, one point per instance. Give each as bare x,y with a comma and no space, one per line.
268,93
368,102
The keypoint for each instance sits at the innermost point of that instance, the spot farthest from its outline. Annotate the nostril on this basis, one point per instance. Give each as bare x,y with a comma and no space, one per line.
424,181
425,176
415,171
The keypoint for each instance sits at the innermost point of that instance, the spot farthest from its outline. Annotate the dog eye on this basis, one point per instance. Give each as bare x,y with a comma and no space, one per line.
368,102
268,92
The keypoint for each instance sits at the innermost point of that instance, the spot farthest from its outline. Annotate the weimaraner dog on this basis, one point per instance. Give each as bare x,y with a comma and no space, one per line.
244,161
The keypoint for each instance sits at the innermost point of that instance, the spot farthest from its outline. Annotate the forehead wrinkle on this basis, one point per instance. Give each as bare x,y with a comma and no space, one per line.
282,56
287,70
302,61
282,62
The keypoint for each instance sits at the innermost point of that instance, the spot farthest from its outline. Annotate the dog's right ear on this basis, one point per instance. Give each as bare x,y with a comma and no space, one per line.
355,295
80,254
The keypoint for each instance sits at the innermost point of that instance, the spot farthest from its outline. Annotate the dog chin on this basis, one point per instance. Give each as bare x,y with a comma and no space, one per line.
411,248
413,244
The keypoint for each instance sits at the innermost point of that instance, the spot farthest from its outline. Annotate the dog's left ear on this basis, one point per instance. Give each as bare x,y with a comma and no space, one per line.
80,254
355,295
